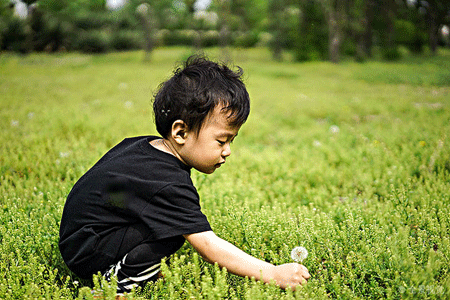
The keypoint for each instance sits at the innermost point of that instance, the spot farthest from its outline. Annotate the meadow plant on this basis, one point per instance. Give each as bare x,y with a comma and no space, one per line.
350,160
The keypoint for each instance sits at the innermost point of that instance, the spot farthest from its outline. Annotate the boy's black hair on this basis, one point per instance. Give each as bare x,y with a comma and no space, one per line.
195,90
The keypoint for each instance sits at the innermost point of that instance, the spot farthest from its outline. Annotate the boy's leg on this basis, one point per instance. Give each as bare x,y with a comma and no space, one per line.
140,259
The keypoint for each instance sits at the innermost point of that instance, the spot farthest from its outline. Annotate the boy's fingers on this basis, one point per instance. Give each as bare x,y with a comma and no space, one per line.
304,271
306,274
292,274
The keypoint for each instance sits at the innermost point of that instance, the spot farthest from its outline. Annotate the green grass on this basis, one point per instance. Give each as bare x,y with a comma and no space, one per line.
351,161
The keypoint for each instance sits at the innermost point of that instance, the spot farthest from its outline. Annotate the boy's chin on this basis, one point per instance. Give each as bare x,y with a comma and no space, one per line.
208,171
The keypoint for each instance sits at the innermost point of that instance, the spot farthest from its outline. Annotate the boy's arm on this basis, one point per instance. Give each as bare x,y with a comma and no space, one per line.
214,249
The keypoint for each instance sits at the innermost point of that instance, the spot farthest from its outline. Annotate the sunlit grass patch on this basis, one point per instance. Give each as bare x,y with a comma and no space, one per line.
434,71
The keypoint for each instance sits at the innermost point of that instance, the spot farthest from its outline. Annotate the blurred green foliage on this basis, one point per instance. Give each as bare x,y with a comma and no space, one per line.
304,28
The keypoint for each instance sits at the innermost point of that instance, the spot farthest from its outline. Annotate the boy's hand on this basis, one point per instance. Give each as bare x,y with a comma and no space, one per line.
292,274
214,249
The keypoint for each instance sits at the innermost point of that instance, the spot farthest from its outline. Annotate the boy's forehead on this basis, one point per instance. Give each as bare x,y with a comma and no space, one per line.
219,116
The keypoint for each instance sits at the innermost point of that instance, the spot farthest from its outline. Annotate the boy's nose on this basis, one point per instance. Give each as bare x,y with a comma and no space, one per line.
226,151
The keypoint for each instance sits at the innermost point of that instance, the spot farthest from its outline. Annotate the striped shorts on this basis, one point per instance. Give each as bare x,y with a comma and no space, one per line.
139,259
125,281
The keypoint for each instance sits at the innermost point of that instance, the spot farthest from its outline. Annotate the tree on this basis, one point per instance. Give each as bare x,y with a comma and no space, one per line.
367,36
388,43
436,14
250,13
31,8
224,12
6,13
190,5
283,18
410,27
145,13
312,34
358,23
334,11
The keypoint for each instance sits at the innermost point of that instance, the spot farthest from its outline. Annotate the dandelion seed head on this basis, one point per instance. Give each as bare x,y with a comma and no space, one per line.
334,129
299,254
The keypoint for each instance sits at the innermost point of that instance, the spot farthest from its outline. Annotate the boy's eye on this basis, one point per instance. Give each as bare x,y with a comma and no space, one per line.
221,142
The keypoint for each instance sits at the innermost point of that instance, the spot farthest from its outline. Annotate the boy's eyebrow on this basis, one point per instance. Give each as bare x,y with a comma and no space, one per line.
227,134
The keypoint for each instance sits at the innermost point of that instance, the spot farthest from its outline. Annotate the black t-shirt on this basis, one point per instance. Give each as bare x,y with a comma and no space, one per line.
132,183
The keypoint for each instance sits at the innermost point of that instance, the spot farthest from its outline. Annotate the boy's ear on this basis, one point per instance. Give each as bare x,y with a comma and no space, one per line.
179,131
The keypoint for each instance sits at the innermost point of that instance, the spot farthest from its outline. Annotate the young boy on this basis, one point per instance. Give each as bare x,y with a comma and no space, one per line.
137,204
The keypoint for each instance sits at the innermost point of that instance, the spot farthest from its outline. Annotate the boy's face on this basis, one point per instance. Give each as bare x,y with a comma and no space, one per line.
208,150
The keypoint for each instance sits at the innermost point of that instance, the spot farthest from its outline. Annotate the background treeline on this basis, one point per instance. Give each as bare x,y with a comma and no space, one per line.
310,29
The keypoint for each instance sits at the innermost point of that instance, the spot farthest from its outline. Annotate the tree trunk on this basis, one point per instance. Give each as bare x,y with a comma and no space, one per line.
29,41
225,32
146,17
335,18
334,37
198,40
433,31
277,48
433,40
276,28
390,30
368,32
388,42
224,41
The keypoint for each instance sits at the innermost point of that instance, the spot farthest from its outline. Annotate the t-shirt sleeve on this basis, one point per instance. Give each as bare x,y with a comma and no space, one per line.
175,210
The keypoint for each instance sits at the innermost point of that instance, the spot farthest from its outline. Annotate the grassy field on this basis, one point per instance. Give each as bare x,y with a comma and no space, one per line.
351,161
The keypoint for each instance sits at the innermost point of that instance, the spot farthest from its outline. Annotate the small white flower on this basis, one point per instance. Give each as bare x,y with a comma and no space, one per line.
299,254
334,129
128,104
317,143
64,154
